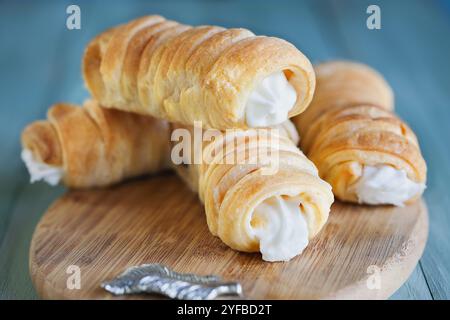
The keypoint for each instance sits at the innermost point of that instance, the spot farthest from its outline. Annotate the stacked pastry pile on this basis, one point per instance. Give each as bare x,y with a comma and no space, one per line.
153,76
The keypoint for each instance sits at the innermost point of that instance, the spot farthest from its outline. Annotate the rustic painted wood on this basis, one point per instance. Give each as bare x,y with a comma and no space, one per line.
158,220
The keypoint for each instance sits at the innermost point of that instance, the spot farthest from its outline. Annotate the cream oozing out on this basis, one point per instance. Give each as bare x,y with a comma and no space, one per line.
385,185
41,171
270,102
283,233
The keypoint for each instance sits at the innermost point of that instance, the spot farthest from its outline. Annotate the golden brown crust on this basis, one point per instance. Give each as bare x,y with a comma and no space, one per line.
344,84
42,140
97,146
184,74
350,124
101,146
231,191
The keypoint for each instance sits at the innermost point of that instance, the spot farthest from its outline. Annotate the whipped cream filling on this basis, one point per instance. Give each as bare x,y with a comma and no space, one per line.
41,171
270,102
385,185
282,229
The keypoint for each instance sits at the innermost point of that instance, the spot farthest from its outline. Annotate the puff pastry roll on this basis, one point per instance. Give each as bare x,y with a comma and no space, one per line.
93,146
250,209
358,144
225,78
253,201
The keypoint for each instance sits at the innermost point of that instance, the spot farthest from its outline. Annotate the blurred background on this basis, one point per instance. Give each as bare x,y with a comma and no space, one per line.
40,62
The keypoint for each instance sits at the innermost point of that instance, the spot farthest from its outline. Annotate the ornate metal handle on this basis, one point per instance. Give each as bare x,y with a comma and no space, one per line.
159,279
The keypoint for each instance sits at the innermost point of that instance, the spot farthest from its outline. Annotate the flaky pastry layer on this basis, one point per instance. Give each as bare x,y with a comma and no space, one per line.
183,74
350,124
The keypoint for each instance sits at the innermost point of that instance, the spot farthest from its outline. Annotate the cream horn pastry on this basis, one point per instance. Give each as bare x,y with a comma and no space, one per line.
91,146
249,207
358,144
225,78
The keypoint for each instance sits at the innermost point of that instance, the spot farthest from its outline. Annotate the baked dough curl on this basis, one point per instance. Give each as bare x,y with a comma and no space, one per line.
231,192
95,146
350,126
183,74
259,191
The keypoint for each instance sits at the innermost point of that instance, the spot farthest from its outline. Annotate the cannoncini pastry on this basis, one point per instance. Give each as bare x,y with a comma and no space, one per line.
358,144
252,208
225,78
259,190
93,146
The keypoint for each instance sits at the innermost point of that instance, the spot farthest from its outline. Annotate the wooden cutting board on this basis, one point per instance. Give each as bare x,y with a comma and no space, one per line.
362,252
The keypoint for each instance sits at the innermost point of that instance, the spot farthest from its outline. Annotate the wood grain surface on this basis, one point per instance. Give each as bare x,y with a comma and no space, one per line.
158,220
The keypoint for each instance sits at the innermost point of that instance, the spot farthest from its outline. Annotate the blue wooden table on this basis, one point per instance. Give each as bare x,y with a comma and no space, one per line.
40,65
